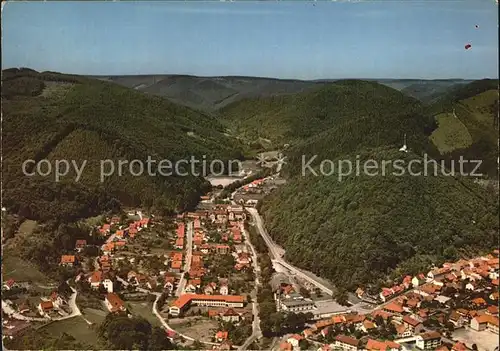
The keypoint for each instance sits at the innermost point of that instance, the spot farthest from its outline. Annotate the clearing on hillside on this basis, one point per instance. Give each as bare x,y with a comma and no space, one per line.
451,134
56,90
21,270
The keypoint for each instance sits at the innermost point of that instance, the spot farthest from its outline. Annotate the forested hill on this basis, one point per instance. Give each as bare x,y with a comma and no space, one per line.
53,116
337,118
361,229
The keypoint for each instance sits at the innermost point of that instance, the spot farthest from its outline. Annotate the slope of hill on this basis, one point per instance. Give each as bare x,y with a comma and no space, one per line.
212,93
341,116
428,91
209,93
59,117
363,228
468,124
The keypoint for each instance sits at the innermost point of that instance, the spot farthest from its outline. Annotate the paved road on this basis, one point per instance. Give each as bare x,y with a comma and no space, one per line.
7,308
187,262
75,311
256,332
276,258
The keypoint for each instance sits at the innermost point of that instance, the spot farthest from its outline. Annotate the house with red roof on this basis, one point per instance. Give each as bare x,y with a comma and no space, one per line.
57,299
114,303
192,285
286,346
68,260
221,335
492,310
485,322
132,232
9,284
181,229
45,308
346,343
179,243
479,302
407,281
393,307
95,279
169,284
80,245
186,300
459,346
428,341
368,326
412,326
387,345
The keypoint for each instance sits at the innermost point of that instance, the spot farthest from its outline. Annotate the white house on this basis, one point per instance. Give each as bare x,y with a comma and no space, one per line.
294,340
418,280
428,341
224,290
108,285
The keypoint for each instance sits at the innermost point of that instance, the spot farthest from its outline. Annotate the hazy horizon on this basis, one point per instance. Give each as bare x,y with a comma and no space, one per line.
247,76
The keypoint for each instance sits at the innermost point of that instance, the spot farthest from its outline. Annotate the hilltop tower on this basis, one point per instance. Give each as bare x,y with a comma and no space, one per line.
404,148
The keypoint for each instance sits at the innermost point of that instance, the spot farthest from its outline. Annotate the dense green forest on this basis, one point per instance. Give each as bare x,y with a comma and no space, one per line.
58,117
292,119
363,228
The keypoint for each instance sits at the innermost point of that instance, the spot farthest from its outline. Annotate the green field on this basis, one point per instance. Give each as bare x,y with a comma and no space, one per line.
76,327
451,134
21,270
93,315
145,310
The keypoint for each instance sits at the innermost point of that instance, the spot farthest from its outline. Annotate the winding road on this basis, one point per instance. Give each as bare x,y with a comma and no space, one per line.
276,257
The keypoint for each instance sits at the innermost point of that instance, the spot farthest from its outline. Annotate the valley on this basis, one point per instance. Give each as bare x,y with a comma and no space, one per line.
305,253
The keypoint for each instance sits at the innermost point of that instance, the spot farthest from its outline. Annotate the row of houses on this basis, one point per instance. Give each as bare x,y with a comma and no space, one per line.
473,270
425,341
220,213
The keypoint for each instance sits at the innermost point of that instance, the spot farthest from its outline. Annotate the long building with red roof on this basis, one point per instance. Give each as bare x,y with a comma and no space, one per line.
186,300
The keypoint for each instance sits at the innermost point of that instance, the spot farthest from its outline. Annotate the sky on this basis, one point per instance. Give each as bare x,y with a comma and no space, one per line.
282,39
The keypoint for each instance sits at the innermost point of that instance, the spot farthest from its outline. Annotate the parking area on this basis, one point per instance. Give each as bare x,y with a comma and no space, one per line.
485,340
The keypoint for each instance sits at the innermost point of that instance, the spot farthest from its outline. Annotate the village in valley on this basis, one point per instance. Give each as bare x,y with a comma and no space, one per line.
205,276
194,273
